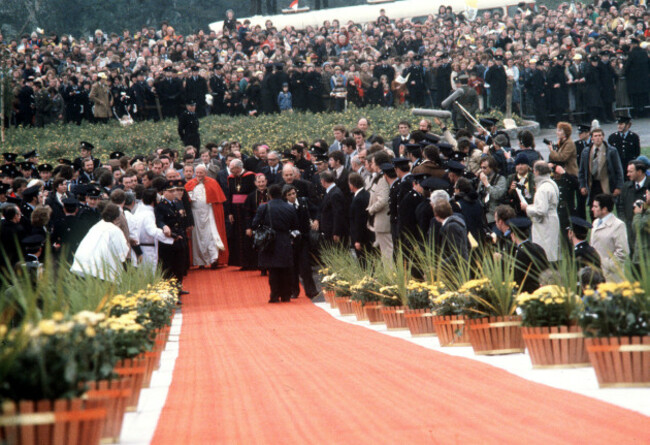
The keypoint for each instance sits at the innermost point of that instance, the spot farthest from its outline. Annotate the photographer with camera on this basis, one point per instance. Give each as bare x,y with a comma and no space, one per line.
633,191
522,180
641,228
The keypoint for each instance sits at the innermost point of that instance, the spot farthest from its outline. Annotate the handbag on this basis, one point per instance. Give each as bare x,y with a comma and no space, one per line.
264,236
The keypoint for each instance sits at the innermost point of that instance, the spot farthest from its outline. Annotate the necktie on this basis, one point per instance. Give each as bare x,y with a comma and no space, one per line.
594,163
637,186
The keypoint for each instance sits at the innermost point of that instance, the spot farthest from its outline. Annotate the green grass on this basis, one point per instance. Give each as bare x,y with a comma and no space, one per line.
279,131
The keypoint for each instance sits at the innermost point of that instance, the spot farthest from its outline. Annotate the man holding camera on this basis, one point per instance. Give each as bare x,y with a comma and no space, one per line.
641,228
632,192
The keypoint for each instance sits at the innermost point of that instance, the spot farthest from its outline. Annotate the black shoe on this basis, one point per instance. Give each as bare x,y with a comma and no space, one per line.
183,292
274,300
285,300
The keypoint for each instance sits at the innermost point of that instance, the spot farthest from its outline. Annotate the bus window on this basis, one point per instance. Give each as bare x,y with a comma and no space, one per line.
481,12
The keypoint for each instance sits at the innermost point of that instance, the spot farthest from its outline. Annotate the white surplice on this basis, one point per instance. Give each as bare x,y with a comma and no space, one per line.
148,234
101,252
206,242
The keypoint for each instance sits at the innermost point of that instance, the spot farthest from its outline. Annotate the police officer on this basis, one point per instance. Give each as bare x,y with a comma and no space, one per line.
585,255
626,142
85,151
167,215
9,167
188,126
196,88
66,234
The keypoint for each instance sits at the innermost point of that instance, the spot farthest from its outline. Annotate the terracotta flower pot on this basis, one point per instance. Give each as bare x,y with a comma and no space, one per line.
329,298
357,307
133,370
620,362
394,318
420,322
556,347
47,422
115,395
344,305
373,312
452,330
496,335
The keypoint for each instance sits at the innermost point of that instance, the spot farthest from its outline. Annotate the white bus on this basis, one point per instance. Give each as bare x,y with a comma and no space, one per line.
370,11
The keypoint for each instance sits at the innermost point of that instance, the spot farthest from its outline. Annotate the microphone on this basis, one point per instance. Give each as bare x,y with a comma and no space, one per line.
453,97
441,114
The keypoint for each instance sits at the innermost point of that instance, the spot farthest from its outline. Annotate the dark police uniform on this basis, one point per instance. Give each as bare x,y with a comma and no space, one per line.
188,129
171,255
627,144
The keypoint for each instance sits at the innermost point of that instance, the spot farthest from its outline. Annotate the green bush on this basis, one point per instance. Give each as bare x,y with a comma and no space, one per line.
279,131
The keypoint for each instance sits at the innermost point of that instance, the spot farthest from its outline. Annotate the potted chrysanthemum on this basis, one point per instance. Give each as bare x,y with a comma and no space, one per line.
419,315
550,329
616,322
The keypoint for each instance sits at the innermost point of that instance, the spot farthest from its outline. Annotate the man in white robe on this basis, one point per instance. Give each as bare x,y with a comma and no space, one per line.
205,193
103,249
147,232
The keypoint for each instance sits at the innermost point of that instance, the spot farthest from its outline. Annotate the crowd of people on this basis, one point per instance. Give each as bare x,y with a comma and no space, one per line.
406,187
369,194
575,63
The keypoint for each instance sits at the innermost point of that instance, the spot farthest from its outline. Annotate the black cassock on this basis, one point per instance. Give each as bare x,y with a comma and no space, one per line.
241,248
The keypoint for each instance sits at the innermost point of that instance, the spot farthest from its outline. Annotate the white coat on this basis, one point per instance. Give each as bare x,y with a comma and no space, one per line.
378,206
610,241
543,213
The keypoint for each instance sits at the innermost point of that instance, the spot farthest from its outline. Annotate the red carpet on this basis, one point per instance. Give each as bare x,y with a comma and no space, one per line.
249,372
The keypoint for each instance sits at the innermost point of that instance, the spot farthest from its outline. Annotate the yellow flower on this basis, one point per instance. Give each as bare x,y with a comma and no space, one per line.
90,331
47,327
57,316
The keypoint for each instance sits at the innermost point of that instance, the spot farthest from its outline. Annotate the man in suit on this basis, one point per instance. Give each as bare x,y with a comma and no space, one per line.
339,134
609,237
407,222
632,191
301,246
360,236
530,259
333,222
626,142
272,171
31,198
278,258
403,137
453,234
600,168
257,162
585,255
11,232
336,162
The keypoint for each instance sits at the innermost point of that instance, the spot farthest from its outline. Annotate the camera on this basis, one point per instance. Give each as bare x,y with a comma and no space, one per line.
547,142
639,203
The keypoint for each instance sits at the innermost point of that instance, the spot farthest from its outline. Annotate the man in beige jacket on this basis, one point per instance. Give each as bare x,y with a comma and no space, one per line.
609,238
